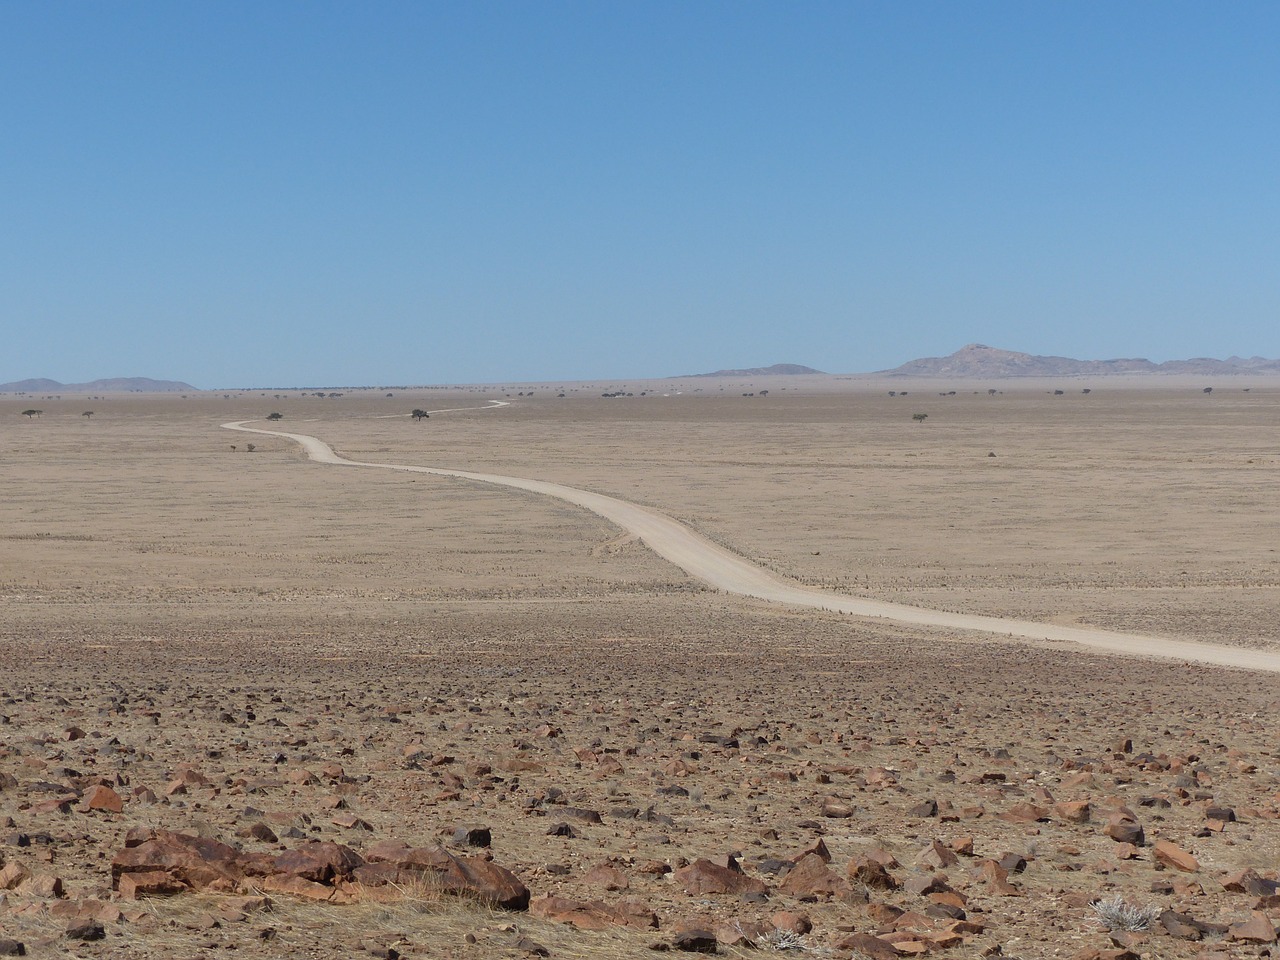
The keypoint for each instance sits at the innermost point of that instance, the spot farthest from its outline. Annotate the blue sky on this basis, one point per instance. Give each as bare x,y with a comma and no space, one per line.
270,194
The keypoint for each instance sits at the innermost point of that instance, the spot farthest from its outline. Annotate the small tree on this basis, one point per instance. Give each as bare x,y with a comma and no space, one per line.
919,417
88,414
420,415
275,416
31,413
1208,389
250,447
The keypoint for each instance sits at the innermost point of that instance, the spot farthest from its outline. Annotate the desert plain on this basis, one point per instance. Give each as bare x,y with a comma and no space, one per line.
347,687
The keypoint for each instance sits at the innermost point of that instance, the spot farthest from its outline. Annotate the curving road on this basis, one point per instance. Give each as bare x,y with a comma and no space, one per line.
727,571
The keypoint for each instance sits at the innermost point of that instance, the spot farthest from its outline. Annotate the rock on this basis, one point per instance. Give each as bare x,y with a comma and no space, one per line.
812,878
1257,929
1076,811
1180,926
836,809
1171,855
86,930
1246,881
924,809
149,883
595,914
472,836
693,939
1124,829
43,886
319,862
200,863
102,798
871,873
702,877
797,923
469,877
607,877
937,855
12,948
865,945
12,874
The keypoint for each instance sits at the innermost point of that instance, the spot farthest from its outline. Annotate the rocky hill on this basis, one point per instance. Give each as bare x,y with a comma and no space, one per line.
978,360
108,385
778,369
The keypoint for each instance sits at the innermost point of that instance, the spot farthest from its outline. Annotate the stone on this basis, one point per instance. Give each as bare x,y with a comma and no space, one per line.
791,922
864,944
149,883
607,877
1124,829
12,874
1171,855
86,930
871,873
702,877
102,798
1074,811
470,877
595,914
1257,929
693,939
812,878
200,863
12,948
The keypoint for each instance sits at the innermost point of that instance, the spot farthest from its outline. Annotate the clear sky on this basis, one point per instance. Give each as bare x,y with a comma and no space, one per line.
284,193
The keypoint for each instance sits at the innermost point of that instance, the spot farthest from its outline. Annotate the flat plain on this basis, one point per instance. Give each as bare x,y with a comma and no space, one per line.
303,646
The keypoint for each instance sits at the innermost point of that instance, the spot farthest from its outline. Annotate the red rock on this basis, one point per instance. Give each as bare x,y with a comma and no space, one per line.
607,877
296,886
1257,929
12,874
1124,829
866,945
702,877
1171,855
997,879
1075,811
318,862
594,915
937,855
871,873
469,877
43,886
811,877
797,923
102,798
149,883
1024,813
198,862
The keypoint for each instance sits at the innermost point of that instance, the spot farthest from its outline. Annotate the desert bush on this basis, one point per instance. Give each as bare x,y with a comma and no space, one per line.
1117,914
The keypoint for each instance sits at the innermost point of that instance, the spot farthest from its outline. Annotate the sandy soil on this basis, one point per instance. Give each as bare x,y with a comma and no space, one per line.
474,654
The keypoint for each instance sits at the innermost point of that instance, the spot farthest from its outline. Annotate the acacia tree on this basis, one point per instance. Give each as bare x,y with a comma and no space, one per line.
88,414
275,416
420,415
919,417
31,413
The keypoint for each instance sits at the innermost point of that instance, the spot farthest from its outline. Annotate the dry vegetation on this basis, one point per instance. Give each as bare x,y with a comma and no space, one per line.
472,655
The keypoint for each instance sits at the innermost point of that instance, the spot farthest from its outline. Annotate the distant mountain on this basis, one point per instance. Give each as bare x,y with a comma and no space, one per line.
977,360
776,370
110,385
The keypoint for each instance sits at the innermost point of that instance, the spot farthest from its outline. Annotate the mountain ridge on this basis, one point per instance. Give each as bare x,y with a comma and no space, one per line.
980,360
105,385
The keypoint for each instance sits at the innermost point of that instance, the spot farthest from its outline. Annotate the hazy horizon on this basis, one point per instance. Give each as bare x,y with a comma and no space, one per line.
300,193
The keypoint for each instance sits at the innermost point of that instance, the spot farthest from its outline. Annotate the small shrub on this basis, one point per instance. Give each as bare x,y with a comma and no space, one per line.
782,940
1117,914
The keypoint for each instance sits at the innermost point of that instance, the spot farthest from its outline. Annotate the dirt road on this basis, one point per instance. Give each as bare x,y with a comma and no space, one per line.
726,571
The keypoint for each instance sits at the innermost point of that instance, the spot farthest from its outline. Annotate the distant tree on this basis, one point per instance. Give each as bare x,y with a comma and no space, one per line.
1086,390
991,392
1208,389
250,447
420,415
764,393
275,416
233,448
1058,393
31,413
919,417
88,414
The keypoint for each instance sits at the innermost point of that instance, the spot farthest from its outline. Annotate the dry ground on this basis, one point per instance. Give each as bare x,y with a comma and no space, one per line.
157,588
